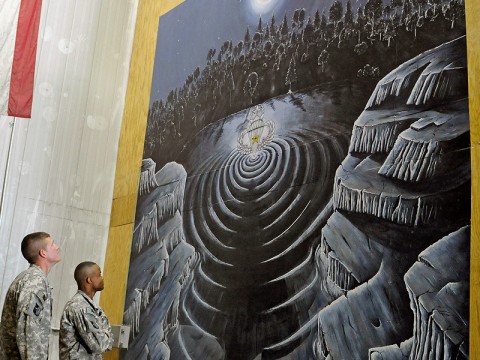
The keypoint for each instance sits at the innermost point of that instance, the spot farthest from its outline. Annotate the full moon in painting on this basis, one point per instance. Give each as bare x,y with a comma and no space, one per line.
261,7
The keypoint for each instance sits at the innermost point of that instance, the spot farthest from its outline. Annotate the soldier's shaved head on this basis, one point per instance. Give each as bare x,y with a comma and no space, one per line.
32,244
83,271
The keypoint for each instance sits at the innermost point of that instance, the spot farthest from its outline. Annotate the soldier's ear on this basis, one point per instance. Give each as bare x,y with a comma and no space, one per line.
42,253
88,280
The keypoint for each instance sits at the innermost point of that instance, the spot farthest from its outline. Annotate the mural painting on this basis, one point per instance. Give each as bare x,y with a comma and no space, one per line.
305,188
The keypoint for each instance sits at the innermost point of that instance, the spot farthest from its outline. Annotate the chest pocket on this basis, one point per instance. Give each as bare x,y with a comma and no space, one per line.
91,321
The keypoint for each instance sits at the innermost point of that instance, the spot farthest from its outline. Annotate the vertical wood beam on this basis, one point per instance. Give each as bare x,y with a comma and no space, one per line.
130,152
472,8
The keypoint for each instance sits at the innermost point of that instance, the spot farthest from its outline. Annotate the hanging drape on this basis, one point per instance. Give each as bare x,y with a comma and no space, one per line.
18,47
57,168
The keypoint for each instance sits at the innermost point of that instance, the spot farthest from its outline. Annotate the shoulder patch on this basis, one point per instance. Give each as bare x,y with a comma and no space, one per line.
36,305
42,295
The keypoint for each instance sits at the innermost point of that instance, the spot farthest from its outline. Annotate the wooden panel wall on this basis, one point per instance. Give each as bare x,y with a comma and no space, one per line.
131,150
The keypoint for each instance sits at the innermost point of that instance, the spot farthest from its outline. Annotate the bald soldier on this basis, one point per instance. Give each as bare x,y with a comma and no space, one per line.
85,332
27,311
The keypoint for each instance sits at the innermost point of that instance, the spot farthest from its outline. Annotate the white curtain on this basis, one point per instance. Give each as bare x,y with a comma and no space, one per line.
57,168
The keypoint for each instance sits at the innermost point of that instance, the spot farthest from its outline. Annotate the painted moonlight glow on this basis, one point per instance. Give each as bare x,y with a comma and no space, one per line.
261,7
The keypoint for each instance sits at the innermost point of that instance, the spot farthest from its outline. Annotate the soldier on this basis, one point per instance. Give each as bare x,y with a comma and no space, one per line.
27,311
85,332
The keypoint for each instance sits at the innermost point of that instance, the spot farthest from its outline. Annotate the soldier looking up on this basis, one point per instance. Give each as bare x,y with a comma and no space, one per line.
27,311
85,332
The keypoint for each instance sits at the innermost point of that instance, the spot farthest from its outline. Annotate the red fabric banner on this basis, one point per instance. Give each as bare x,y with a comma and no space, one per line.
23,68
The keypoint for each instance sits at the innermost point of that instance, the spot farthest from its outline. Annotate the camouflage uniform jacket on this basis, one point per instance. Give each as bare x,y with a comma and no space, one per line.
85,332
26,317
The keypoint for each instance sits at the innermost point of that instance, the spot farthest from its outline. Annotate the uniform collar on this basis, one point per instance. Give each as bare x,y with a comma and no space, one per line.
38,269
90,301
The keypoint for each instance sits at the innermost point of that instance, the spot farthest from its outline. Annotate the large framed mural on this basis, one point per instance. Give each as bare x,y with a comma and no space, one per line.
305,184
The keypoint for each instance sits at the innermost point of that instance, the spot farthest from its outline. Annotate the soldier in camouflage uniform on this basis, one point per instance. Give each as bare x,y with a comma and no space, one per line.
27,311
85,332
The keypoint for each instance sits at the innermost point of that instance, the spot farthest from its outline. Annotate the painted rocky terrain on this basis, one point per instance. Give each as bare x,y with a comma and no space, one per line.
404,187
271,253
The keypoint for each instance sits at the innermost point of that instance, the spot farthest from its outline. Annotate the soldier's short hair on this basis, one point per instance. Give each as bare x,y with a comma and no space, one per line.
32,244
82,271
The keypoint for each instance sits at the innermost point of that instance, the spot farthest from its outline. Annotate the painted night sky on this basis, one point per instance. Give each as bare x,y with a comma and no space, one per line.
178,54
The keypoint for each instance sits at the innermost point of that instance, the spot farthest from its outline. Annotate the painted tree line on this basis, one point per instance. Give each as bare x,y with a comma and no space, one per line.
289,55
